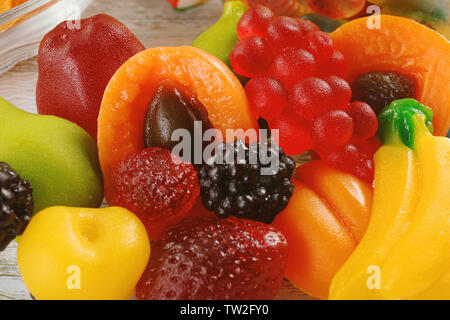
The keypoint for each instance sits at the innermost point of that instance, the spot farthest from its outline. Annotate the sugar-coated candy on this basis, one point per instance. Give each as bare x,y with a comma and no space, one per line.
292,65
311,97
254,22
284,32
332,128
267,97
251,56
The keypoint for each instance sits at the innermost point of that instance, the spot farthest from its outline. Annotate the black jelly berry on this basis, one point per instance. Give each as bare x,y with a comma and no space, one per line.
16,205
247,181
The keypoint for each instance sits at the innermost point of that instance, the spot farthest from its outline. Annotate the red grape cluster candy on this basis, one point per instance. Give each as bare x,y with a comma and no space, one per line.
296,84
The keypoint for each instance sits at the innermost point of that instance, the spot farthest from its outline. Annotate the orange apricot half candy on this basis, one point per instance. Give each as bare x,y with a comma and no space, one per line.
130,90
406,47
323,223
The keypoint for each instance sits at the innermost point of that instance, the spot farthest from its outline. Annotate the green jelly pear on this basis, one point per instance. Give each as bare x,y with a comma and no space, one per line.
58,157
221,37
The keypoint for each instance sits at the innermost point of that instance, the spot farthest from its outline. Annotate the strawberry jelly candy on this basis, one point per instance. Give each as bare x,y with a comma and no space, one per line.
75,65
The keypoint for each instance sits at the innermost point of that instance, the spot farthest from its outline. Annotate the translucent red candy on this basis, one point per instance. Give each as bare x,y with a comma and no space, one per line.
336,65
332,128
254,22
157,186
341,92
294,135
292,65
251,57
310,97
284,32
267,97
307,26
364,119
350,159
302,92
320,45
355,157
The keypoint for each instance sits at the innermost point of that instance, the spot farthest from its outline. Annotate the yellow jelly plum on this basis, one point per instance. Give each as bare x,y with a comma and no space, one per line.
83,254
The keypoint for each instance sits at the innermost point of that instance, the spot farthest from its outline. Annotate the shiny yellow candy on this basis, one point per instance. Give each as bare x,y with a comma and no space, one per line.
81,253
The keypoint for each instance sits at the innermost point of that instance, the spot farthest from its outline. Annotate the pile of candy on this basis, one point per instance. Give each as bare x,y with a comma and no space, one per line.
297,86
231,219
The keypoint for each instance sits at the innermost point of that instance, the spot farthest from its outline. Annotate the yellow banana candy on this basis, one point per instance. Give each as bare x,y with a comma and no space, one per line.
405,253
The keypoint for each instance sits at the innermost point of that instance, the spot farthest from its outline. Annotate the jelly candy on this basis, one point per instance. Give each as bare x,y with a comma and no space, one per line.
193,72
107,249
390,50
255,22
332,128
210,258
157,186
251,56
76,64
172,108
57,157
284,32
364,120
267,97
308,70
311,97
320,45
292,65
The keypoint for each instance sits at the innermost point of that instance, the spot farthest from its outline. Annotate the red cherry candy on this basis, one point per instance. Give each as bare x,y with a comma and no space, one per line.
267,97
251,57
368,147
291,66
336,65
320,45
294,137
284,32
254,22
332,128
310,97
364,119
307,26
341,92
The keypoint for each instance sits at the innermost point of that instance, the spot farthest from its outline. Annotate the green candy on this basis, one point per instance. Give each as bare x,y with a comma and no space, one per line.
58,158
396,122
221,37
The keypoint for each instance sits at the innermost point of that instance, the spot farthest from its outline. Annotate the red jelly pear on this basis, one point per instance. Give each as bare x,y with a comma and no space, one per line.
76,62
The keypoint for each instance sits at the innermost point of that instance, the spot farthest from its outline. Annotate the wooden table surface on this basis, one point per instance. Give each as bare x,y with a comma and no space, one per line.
155,24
